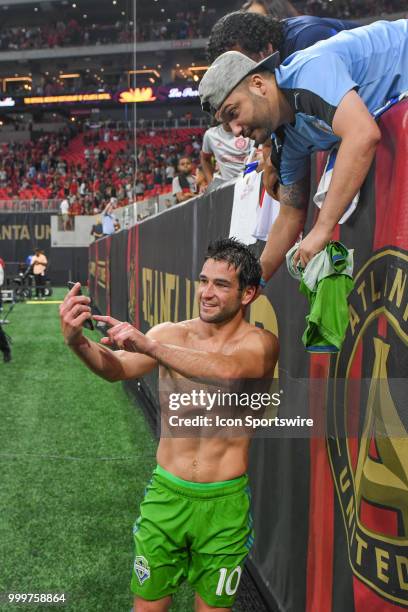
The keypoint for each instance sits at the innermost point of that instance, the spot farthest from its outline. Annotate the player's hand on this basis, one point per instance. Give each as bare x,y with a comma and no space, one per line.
124,336
74,310
316,240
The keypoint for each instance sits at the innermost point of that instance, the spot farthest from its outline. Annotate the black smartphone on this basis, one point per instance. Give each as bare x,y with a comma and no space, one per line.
88,322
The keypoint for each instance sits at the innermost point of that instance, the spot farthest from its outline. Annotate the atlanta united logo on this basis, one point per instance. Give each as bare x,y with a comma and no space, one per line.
368,450
141,568
241,143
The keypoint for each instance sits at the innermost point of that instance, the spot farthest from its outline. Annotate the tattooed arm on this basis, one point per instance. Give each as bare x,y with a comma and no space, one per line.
294,200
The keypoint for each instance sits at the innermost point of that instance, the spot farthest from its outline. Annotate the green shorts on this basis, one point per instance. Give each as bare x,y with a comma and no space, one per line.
202,532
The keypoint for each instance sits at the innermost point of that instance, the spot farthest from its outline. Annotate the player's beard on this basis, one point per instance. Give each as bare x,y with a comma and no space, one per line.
220,316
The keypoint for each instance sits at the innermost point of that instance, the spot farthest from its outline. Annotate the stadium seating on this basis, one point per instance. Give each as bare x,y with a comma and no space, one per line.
75,160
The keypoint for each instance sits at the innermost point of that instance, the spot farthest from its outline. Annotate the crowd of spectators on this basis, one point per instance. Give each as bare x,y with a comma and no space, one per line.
104,178
102,168
198,23
35,162
63,34
193,23
101,172
183,25
344,9
158,156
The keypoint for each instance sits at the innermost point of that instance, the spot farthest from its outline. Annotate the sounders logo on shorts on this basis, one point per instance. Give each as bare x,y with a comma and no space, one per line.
371,469
142,569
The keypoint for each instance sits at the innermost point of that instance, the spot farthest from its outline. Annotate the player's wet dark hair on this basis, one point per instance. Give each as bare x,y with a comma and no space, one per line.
250,31
239,256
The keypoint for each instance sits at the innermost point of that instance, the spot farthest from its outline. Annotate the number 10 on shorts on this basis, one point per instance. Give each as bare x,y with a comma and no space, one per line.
230,583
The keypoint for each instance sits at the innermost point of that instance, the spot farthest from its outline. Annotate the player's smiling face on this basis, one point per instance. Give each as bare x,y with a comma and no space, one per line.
219,295
250,110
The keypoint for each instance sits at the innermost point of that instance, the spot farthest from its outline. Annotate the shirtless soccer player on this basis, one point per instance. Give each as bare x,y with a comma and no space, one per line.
195,518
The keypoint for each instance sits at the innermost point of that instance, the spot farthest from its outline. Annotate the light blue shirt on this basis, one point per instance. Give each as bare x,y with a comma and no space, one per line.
373,60
108,224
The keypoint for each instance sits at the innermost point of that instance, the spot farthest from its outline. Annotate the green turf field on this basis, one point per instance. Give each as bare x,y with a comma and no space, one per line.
75,455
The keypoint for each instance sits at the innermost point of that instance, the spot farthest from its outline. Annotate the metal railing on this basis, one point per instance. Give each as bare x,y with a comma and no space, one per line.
16,206
201,122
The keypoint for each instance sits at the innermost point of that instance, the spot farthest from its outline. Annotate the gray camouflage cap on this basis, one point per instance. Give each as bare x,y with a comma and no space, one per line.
225,73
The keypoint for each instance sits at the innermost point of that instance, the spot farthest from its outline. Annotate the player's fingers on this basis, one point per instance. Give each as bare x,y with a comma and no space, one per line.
65,310
75,289
79,299
66,307
126,334
77,310
79,320
117,329
107,341
75,322
116,340
106,319
123,330
70,302
83,317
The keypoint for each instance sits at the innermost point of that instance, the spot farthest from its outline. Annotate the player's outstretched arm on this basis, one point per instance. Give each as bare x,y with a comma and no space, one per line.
255,358
108,364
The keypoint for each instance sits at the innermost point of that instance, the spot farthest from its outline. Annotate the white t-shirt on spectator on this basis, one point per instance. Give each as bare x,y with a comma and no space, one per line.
229,151
64,207
176,187
108,223
170,172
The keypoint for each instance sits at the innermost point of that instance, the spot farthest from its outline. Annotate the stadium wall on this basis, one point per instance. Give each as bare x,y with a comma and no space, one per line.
21,233
330,513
